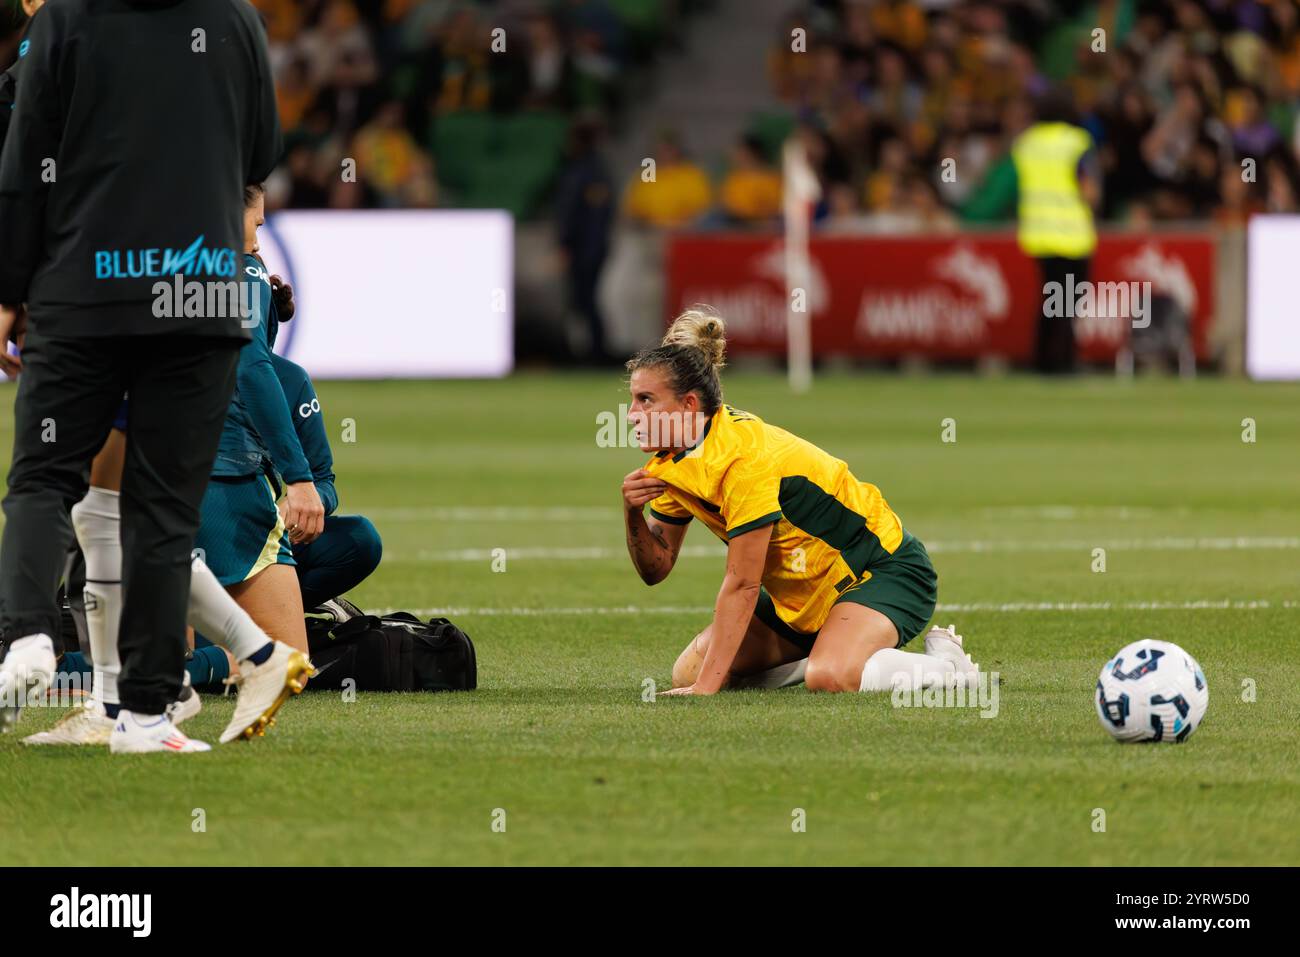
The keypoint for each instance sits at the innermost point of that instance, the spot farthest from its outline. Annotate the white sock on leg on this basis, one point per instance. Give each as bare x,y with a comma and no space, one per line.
97,520
98,526
219,618
891,668
782,676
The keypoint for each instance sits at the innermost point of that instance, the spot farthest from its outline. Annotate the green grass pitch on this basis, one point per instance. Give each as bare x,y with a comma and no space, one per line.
1200,531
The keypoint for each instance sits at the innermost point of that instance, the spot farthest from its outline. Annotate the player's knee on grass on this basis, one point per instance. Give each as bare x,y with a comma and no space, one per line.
824,675
687,667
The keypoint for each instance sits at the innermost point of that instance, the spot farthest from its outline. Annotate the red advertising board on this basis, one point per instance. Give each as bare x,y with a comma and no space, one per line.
957,296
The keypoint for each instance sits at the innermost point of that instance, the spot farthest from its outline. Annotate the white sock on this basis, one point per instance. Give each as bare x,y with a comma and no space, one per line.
97,520
891,668
782,676
98,526
217,616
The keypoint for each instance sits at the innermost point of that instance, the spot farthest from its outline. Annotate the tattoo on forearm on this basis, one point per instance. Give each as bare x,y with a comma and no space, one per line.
648,558
658,534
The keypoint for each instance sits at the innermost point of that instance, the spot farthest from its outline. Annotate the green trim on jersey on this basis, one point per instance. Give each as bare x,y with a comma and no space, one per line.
812,509
767,519
669,519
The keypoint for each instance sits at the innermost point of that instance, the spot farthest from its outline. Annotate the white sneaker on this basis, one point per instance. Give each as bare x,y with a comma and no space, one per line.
264,688
945,643
84,724
141,733
27,670
187,705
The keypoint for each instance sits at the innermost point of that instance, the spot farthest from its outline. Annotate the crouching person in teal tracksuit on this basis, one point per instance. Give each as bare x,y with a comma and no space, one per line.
349,548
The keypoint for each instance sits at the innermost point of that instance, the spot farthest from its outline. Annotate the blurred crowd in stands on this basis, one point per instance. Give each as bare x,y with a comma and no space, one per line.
373,81
1191,104
1176,93
506,103
908,110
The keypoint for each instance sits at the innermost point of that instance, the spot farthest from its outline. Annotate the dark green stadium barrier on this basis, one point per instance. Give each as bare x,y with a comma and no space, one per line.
494,161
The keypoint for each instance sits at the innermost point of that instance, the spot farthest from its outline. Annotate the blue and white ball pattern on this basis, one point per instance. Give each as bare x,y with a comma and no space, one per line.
1151,691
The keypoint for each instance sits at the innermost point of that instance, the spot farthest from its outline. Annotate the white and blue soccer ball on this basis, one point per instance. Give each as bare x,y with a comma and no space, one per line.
1152,691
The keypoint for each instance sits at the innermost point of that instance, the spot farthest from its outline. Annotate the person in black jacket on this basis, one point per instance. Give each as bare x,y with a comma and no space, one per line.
136,126
584,209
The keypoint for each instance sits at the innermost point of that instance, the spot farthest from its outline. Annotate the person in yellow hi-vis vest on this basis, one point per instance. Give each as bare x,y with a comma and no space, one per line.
1058,184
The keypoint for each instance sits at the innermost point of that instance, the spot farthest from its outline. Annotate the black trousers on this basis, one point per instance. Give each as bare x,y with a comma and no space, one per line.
584,280
68,394
1054,347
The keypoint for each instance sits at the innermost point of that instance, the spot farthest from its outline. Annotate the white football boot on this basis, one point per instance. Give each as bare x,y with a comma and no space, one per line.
27,670
142,733
187,705
945,643
264,688
84,724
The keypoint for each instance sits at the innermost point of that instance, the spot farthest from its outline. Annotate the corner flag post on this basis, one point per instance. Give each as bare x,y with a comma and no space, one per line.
800,192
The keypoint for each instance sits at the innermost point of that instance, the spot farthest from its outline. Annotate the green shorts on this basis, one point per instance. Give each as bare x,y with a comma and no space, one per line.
904,588
240,531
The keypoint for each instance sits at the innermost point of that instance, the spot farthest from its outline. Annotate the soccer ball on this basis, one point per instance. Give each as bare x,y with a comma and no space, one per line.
1152,691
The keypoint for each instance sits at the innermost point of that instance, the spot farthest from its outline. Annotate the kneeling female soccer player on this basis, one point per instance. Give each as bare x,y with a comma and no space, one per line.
822,581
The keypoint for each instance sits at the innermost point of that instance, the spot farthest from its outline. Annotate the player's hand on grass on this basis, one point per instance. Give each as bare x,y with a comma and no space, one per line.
304,515
640,488
686,690
13,327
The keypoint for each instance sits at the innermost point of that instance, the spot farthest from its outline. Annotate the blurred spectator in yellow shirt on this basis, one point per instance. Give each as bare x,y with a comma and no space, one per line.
391,164
678,193
283,19
901,22
751,191
294,93
884,180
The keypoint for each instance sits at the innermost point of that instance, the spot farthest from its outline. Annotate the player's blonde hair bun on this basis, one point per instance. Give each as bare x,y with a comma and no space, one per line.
700,326
690,356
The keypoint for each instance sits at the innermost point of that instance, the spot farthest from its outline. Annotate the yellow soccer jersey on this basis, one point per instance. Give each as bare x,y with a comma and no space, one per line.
830,529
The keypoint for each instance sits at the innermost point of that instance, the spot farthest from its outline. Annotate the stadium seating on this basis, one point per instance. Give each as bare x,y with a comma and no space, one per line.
500,161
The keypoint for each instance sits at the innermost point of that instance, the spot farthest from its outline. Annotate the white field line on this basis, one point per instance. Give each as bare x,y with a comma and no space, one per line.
1012,607
506,513
1064,513
605,553
581,513
1169,543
